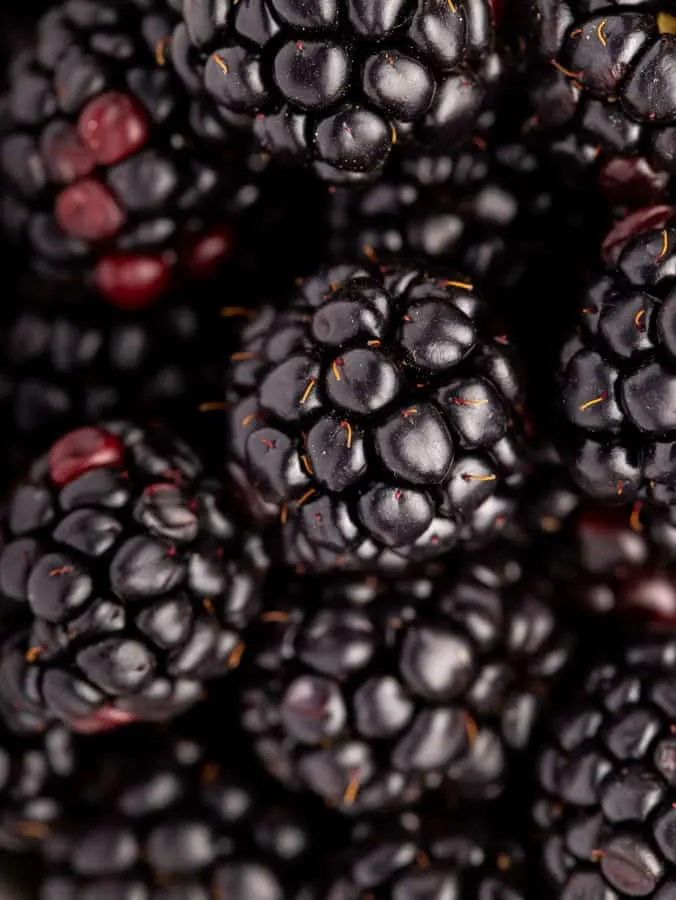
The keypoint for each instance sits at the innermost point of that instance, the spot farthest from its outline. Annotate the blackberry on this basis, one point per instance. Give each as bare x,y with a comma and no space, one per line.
33,771
379,411
617,374
373,694
607,781
338,83
604,88
100,169
417,857
485,208
69,359
125,579
178,820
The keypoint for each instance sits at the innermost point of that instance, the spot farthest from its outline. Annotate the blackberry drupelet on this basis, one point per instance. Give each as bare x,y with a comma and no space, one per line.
339,82
373,694
416,858
127,579
176,820
379,413
618,374
606,809
604,90
100,167
69,359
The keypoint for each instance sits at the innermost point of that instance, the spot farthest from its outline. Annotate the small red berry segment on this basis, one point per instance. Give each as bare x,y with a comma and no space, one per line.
113,126
646,219
80,451
66,157
105,719
89,211
204,253
650,594
133,280
632,180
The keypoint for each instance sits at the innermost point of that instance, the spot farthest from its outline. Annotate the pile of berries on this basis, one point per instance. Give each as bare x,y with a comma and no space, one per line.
338,495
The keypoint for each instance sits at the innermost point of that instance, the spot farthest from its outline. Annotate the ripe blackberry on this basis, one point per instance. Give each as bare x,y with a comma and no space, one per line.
100,170
603,90
338,83
617,375
32,773
416,857
129,580
485,208
175,819
379,412
607,781
374,694
69,359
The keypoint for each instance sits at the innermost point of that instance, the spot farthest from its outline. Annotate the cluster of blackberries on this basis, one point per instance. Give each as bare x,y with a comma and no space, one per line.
338,518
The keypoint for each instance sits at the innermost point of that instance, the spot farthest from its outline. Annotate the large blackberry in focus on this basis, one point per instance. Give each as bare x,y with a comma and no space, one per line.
176,819
69,359
607,803
126,580
373,694
618,374
338,83
376,417
419,856
100,168
604,89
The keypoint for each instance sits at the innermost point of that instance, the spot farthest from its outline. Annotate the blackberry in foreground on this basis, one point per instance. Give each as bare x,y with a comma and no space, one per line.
603,90
376,417
178,820
69,359
373,694
100,169
419,856
128,580
618,374
606,810
339,83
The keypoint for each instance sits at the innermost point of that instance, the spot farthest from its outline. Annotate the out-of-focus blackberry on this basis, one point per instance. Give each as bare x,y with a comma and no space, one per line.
603,89
33,772
101,171
377,417
419,856
339,83
607,781
175,819
69,359
373,694
126,578
617,374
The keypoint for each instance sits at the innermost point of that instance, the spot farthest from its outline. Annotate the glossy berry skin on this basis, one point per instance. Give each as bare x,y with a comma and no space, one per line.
376,419
338,83
174,810
127,581
616,374
607,782
604,91
425,855
374,694
100,172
